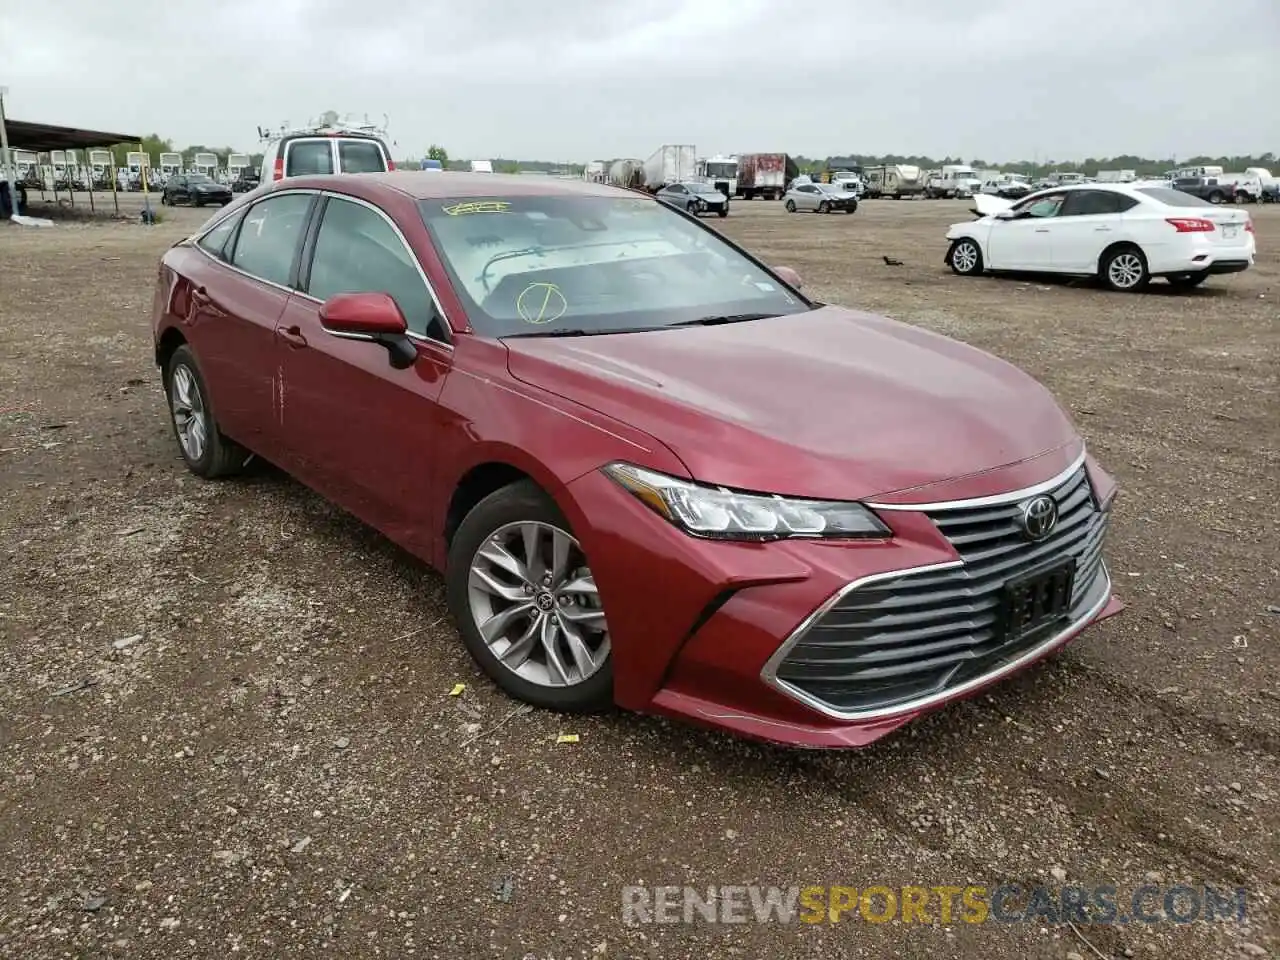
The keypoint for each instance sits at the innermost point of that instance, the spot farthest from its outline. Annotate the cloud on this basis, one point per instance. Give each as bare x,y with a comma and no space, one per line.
584,79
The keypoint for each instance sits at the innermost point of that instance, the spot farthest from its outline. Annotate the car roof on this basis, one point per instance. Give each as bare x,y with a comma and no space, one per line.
436,184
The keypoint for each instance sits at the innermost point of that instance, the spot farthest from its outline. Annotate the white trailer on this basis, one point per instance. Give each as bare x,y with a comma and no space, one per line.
171,164
206,163
1117,176
482,166
670,163
594,171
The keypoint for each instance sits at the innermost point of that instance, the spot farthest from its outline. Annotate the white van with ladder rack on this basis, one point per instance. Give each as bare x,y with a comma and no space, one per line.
330,144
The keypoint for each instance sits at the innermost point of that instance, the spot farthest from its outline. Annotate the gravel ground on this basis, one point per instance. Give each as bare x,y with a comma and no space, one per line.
225,712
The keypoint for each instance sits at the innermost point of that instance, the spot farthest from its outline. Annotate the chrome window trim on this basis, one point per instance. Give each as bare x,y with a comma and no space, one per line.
413,258
769,673
994,500
435,300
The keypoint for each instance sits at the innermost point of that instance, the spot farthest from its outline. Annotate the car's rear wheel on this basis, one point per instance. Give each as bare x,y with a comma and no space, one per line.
965,258
1217,197
1125,269
206,451
526,604
791,206
1187,280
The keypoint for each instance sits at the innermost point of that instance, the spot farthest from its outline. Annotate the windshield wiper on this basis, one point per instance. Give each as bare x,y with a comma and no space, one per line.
562,332
714,321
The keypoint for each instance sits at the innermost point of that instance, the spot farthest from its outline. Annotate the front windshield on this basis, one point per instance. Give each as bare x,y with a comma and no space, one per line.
704,188
722,170
542,264
197,178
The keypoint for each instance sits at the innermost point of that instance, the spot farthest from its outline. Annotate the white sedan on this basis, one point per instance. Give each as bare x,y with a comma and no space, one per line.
1124,234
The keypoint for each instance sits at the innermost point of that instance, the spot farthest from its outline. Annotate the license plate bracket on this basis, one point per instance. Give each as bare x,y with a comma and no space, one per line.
1229,231
1036,599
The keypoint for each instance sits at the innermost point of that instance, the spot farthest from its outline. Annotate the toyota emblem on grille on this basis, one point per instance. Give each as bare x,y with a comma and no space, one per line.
1039,517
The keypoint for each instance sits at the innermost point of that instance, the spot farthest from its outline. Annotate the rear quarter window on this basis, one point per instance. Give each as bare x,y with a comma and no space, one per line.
361,156
1173,198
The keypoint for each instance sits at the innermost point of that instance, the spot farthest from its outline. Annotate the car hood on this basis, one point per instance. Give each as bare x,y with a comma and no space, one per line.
829,403
986,204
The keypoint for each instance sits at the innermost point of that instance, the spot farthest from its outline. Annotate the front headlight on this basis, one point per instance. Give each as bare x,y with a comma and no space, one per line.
730,515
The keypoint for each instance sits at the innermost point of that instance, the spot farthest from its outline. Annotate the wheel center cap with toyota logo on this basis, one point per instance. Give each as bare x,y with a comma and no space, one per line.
1039,517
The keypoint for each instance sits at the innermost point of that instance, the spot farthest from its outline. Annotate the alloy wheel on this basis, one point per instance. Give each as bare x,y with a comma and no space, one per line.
535,604
1125,271
965,257
190,417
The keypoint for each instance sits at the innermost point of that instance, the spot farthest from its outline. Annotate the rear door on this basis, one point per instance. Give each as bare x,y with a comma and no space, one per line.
1090,221
243,292
308,156
361,155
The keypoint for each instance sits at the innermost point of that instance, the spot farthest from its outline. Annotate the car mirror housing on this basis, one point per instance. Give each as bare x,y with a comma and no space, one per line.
1006,215
789,277
370,316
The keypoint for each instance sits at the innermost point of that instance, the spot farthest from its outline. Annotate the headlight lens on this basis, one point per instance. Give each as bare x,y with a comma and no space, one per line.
729,515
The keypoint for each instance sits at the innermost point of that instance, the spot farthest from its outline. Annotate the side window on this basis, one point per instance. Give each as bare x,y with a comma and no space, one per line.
360,156
357,251
1042,206
676,188
215,241
269,236
303,157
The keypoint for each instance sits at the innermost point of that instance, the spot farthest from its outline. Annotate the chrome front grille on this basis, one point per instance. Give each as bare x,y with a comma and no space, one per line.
891,642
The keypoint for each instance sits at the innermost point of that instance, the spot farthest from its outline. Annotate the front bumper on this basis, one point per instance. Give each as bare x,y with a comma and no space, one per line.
702,630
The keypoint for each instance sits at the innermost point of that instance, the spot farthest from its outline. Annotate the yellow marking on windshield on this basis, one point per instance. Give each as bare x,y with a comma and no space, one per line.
541,303
477,206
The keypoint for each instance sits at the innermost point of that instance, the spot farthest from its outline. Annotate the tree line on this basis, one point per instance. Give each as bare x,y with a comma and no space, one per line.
1143,166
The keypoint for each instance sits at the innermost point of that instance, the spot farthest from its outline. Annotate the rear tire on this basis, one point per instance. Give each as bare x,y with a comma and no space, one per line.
204,448
1185,281
1124,269
1217,197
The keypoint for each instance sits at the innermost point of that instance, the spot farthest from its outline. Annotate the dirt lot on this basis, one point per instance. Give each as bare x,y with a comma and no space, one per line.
225,721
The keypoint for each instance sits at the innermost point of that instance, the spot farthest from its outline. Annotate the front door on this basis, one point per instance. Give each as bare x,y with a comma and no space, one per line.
1025,242
361,431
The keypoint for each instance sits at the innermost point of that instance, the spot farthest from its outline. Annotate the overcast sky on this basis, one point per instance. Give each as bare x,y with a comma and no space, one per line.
592,79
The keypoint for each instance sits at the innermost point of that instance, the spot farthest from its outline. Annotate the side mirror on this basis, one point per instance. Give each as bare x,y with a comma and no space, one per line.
1006,215
789,277
370,316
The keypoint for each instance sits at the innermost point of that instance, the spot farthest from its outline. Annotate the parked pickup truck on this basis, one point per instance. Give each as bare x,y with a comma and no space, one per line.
1225,188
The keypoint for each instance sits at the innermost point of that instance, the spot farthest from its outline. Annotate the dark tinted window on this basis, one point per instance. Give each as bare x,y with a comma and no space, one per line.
1084,203
357,251
303,157
216,239
1174,198
360,156
269,236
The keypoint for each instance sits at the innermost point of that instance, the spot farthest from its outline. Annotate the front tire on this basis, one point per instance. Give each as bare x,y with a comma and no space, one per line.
790,206
965,258
824,207
723,211
852,207
526,604
205,450
1124,270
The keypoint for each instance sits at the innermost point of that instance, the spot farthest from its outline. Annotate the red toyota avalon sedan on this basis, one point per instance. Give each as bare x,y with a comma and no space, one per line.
651,470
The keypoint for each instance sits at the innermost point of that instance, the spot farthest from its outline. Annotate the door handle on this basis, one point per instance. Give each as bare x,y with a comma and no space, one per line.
200,297
1042,229
1101,229
293,337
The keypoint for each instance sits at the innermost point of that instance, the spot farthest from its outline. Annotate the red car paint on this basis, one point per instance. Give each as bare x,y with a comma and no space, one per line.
831,403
